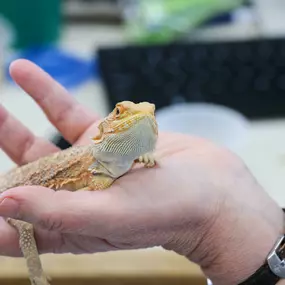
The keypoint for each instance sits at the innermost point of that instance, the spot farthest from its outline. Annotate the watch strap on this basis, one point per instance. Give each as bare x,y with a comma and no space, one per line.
265,275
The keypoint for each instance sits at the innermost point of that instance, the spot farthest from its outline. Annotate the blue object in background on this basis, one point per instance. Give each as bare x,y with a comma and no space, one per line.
227,17
219,19
69,70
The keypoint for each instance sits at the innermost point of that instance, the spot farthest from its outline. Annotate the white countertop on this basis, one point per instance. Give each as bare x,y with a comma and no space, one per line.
264,153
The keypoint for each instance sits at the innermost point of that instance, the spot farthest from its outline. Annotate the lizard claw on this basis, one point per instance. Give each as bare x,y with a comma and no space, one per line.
148,160
92,170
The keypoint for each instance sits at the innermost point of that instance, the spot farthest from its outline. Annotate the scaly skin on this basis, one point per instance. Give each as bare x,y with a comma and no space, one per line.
127,136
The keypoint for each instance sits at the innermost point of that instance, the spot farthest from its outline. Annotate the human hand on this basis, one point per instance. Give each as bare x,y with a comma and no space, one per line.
201,201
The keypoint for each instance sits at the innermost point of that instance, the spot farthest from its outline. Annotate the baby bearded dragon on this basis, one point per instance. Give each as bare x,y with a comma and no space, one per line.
127,136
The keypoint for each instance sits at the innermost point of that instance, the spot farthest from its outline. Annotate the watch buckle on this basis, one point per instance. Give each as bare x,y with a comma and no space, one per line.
277,265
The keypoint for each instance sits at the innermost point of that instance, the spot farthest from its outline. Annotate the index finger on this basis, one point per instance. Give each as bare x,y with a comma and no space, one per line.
62,110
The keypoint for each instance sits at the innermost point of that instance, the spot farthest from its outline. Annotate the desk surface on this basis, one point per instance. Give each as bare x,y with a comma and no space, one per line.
150,263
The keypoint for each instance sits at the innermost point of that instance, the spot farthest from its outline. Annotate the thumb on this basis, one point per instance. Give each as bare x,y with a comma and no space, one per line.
71,212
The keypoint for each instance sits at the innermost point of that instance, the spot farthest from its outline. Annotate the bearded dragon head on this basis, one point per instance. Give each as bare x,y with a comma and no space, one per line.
129,128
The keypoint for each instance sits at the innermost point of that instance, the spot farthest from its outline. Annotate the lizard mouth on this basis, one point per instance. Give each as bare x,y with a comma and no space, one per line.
98,138
104,129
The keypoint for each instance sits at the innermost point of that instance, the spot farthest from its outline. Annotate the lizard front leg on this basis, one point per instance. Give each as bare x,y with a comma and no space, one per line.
147,159
111,166
97,168
98,182
29,250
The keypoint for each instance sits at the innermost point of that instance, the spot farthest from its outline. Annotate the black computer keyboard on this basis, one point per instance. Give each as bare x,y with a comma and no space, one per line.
248,76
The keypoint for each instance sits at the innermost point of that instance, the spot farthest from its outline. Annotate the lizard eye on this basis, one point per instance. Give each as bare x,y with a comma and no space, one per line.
117,111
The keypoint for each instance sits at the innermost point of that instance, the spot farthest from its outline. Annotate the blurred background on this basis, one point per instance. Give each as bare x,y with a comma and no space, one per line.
214,68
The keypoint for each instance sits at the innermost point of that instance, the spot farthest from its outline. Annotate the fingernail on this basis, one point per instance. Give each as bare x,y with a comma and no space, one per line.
8,207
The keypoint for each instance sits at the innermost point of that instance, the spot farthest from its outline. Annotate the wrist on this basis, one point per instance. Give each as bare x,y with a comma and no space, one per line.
242,246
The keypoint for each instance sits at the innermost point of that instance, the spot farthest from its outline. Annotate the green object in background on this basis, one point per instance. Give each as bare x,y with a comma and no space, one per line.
34,22
162,21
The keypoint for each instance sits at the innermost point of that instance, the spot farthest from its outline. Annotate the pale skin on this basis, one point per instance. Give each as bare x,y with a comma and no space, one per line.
194,203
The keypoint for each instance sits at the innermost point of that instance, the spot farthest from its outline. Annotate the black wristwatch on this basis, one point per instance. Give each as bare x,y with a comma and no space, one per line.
273,269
